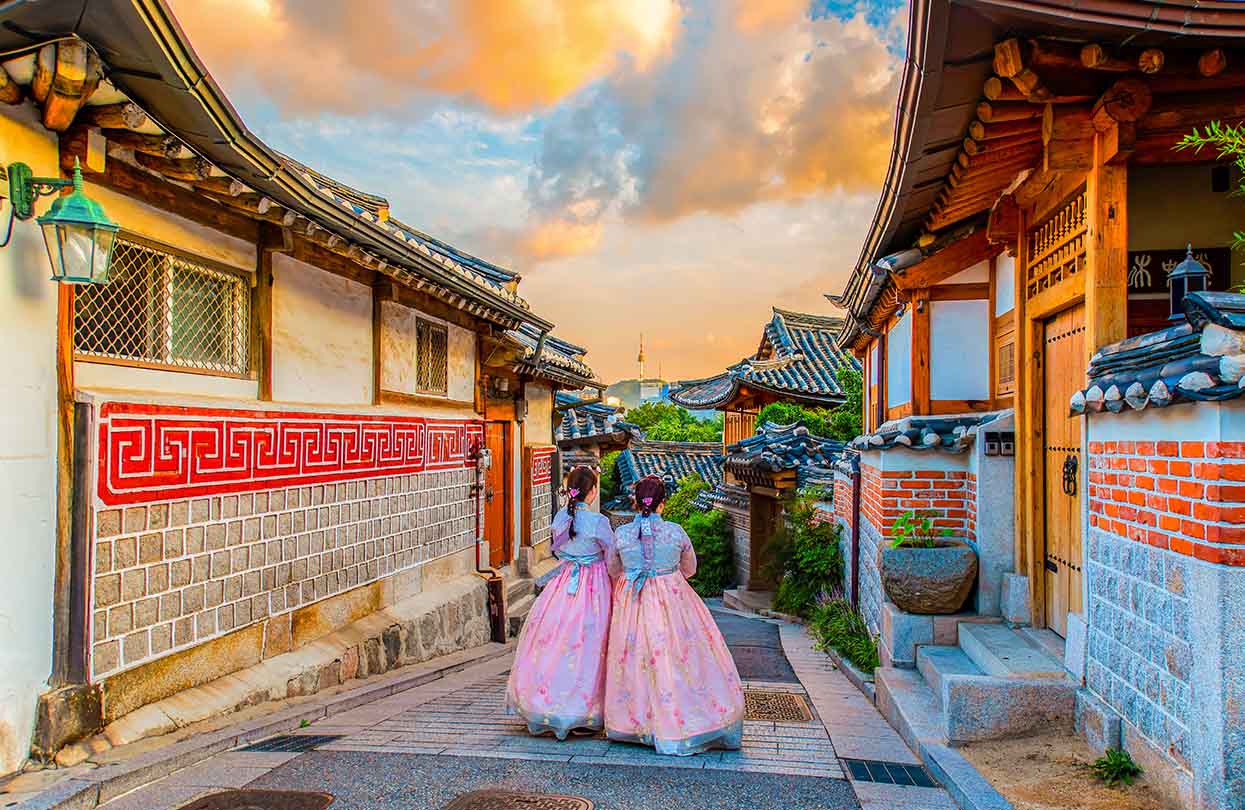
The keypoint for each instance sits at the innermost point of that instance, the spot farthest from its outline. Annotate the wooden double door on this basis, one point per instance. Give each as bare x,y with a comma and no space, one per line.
499,494
1063,374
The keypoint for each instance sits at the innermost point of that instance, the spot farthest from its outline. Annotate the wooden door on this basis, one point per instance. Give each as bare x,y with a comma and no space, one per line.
763,517
498,495
1063,373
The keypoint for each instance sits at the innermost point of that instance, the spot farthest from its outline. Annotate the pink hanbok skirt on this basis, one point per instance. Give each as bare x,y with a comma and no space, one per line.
672,682
557,682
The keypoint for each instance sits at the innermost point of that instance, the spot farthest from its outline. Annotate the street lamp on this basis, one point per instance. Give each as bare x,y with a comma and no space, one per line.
78,234
1189,276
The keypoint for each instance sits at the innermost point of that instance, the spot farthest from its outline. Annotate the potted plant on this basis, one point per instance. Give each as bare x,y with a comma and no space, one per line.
924,570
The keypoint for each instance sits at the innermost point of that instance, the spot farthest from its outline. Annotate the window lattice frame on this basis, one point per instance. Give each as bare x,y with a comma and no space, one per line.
432,351
166,309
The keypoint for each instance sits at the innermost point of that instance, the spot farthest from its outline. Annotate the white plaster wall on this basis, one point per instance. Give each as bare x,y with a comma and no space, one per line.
27,449
398,348
1004,284
979,273
899,459
104,376
321,336
959,348
1161,220
1192,422
899,362
539,413
140,218
462,364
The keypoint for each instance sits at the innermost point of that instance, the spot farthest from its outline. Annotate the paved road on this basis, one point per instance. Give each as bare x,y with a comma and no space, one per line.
422,748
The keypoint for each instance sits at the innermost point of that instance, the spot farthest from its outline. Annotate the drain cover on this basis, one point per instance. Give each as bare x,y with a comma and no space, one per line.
504,800
888,773
290,743
780,707
261,800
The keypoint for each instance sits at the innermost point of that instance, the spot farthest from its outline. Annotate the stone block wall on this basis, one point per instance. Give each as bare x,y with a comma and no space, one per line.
1165,589
246,515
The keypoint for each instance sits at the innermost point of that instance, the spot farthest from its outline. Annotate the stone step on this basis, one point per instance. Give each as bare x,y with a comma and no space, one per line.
519,587
1002,652
909,705
516,613
936,662
549,575
985,707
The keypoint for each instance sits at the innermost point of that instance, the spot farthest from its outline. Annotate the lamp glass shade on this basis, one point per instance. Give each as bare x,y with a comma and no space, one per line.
79,237
1189,276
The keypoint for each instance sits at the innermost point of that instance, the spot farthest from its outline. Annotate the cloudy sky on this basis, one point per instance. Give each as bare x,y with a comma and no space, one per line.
671,167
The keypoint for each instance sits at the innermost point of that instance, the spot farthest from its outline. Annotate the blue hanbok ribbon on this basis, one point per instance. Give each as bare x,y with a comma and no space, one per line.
636,577
577,561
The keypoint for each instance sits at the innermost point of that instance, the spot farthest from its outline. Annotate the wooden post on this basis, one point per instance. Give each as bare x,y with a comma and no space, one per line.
1026,361
992,392
378,329
1106,255
64,484
271,240
920,352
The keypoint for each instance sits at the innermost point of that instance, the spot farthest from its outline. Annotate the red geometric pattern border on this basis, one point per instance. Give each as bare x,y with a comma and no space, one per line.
159,452
542,465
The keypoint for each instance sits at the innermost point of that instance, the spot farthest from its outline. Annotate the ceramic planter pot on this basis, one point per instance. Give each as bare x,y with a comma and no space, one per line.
928,580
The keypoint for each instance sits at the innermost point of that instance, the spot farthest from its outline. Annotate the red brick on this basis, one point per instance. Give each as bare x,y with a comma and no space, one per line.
946,485
1111,448
1182,546
1225,449
1207,511
897,474
1119,463
1168,523
1192,489
1227,494
1158,539
1193,449
1157,467
1179,507
1167,485
1191,528
1167,448
1137,498
1156,502
929,474
1230,472
1095,447
1137,464
1225,534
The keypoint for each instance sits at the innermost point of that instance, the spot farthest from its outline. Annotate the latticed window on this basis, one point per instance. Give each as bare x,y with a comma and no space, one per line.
164,309
1007,368
432,349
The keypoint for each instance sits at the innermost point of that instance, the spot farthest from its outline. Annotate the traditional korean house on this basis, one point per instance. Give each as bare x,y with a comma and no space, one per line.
670,461
797,361
1021,297
762,471
250,409
587,430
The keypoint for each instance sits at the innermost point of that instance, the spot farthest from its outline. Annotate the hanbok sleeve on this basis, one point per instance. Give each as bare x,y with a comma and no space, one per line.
687,559
605,536
613,559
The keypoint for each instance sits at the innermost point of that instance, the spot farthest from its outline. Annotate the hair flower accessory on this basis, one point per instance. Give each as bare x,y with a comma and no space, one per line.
648,501
574,493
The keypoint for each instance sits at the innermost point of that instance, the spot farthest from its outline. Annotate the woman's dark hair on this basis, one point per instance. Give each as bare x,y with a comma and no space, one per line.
650,491
579,482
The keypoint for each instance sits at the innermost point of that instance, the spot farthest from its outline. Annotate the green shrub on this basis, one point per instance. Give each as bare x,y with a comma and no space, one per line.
608,483
834,623
1116,767
715,563
679,503
804,555
667,422
841,423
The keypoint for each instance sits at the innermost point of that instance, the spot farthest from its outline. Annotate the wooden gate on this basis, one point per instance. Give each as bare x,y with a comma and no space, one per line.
498,495
1063,368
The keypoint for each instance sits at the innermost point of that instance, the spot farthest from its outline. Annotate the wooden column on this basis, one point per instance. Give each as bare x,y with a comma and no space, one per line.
1028,431
920,352
1106,254
64,483
271,240
992,371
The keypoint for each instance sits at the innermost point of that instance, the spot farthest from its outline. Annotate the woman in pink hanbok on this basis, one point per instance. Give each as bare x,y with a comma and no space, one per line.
672,683
557,683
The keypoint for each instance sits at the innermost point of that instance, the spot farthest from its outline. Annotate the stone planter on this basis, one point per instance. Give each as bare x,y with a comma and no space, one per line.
928,580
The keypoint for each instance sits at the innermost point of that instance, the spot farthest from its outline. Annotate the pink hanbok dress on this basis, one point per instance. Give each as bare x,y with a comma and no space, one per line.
557,683
672,683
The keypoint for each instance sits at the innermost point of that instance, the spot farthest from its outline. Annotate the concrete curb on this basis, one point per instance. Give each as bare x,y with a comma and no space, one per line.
860,679
107,782
969,789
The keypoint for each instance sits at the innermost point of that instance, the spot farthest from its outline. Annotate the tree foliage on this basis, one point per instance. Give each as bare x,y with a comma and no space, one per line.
710,535
608,483
804,554
841,423
667,422
1230,141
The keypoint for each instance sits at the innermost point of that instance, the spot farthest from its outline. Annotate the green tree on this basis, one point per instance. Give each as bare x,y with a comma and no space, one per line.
804,554
608,483
841,423
710,535
667,422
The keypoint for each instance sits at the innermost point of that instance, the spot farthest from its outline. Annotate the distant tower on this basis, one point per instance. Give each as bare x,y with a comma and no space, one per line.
640,359
648,391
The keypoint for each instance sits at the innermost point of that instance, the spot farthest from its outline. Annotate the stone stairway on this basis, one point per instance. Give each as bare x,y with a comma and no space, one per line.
521,593
997,682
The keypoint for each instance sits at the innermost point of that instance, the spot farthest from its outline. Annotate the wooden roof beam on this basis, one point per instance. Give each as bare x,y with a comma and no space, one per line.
10,91
76,75
164,146
958,255
991,112
980,131
126,115
188,170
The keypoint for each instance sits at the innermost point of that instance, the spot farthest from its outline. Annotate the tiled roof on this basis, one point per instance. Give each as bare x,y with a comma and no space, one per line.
778,448
583,422
723,496
558,359
1202,359
671,461
375,209
952,434
797,360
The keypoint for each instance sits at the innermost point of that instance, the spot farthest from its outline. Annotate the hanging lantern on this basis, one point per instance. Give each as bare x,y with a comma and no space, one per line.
1187,277
78,234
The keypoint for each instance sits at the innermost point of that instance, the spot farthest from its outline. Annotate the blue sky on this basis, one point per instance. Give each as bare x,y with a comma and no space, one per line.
672,167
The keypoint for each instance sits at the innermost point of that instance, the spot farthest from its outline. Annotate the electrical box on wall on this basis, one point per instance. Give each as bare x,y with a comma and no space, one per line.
1000,443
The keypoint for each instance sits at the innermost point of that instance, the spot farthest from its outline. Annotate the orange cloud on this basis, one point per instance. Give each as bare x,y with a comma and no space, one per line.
759,14
507,55
559,238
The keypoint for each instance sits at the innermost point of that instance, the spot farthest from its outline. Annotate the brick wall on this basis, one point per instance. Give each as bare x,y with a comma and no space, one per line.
886,495
843,500
1188,497
181,557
